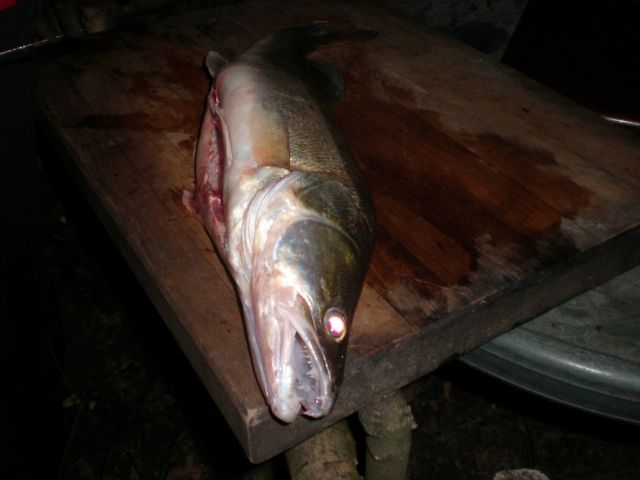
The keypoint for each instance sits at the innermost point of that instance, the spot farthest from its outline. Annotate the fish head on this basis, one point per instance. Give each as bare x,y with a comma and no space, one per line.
304,293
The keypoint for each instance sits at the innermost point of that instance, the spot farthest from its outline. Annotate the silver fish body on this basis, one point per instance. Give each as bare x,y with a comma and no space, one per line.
280,196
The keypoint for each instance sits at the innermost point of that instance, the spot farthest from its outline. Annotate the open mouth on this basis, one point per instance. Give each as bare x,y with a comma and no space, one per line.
300,380
294,369
289,360
312,382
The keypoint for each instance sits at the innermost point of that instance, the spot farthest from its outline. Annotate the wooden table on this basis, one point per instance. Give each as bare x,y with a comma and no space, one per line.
496,199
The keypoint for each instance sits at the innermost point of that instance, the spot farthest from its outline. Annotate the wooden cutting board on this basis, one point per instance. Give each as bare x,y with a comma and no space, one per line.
495,198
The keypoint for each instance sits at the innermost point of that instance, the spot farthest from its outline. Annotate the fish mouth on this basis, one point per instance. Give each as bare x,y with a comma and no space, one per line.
291,365
313,381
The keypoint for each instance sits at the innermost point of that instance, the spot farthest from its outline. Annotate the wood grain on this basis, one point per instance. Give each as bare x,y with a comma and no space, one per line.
495,198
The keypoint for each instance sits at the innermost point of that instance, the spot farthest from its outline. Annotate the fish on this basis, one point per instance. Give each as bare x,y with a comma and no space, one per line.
279,193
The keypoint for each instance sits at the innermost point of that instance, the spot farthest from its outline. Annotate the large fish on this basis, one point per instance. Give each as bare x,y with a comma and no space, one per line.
280,195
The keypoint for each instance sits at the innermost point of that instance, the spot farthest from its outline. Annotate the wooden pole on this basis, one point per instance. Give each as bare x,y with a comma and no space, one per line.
329,455
387,424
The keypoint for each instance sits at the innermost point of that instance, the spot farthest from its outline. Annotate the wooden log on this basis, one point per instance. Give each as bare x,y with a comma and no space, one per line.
388,424
520,474
329,455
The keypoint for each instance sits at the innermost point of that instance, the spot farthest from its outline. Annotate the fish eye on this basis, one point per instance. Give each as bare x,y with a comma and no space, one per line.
335,323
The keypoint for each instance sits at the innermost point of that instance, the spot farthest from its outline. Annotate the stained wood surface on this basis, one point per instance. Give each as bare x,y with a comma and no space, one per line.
495,198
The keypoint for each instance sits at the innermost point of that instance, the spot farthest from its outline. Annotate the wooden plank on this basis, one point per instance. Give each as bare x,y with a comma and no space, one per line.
495,198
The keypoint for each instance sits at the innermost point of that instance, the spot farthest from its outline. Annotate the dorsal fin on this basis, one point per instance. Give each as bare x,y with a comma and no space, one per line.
214,63
331,84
